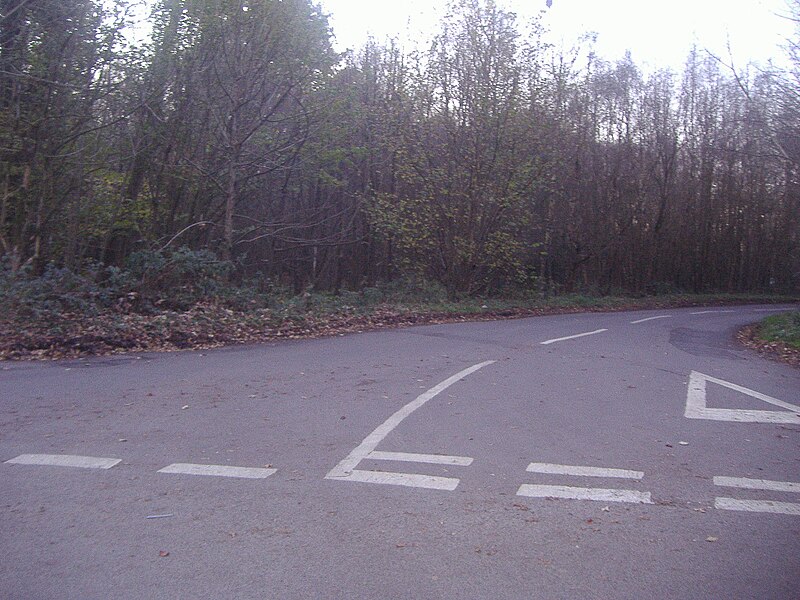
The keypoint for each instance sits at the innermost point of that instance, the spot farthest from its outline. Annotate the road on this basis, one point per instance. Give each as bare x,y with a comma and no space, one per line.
618,455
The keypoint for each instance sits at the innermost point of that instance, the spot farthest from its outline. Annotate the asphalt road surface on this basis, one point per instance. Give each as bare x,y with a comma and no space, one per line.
624,455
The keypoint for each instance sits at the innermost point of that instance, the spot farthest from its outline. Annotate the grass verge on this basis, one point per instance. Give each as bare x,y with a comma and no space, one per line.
71,332
784,328
776,337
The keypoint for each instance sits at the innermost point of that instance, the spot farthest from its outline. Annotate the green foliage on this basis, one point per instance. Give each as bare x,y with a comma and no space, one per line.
48,296
150,280
782,328
490,162
178,278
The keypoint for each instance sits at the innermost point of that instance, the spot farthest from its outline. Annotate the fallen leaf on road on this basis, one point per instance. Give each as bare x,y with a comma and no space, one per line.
711,538
163,553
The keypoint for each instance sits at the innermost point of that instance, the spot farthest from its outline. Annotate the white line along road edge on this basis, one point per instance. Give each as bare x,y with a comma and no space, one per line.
218,471
572,337
696,404
346,468
65,460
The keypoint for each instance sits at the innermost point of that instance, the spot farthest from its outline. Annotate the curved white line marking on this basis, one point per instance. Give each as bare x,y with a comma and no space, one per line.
346,467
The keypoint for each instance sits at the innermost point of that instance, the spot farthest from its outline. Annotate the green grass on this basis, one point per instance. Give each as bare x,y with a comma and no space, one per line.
784,327
432,300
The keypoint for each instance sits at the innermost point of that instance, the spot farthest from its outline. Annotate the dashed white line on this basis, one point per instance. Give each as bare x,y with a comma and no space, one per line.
433,459
758,484
651,319
712,312
218,471
405,479
580,493
583,471
572,337
761,506
65,460
346,468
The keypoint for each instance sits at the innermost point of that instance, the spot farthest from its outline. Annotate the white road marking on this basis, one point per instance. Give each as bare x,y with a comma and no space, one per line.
572,337
583,471
218,471
696,404
712,312
758,484
772,309
345,470
65,460
762,506
433,459
405,479
579,493
651,319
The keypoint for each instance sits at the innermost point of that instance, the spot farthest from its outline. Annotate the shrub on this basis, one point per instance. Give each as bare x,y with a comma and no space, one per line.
58,290
179,278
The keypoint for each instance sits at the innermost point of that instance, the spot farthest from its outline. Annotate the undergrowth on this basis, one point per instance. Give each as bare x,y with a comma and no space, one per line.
184,299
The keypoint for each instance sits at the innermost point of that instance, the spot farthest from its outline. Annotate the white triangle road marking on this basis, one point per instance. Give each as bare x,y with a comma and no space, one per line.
696,404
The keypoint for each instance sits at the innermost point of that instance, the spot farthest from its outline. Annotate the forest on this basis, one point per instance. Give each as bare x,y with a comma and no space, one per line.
230,133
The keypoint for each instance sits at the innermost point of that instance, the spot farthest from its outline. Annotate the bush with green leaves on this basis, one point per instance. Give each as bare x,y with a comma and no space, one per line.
178,278
55,292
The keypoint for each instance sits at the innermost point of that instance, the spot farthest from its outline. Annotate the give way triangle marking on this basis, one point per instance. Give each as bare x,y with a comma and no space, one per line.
696,404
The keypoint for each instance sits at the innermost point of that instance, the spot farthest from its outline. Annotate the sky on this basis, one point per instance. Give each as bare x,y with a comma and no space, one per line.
659,33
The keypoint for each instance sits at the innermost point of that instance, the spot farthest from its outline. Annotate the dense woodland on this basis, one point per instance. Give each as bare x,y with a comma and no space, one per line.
488,161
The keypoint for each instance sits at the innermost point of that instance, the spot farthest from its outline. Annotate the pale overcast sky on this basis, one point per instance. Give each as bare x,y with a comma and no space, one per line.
658,32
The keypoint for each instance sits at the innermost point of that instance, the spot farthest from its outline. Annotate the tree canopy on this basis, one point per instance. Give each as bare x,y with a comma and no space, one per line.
488,161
